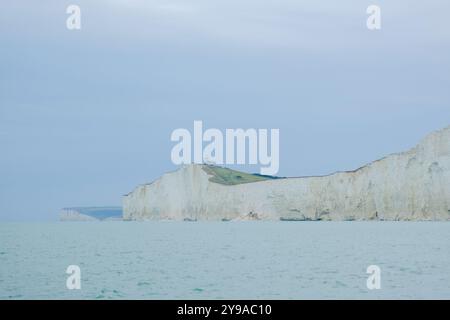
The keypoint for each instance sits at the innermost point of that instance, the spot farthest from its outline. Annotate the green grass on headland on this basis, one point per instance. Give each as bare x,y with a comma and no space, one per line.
230,177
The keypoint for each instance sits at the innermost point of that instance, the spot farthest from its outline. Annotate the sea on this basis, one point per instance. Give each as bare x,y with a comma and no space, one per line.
226,260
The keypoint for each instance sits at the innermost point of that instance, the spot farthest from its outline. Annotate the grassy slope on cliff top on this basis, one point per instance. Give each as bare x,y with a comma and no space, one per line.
230,177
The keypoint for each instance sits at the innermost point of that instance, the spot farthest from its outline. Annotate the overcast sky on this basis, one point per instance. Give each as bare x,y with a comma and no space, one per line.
86,115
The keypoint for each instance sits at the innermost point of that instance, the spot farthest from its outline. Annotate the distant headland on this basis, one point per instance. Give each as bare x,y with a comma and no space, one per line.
91,214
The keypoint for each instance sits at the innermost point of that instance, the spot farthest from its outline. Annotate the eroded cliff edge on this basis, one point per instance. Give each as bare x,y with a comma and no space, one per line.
412,185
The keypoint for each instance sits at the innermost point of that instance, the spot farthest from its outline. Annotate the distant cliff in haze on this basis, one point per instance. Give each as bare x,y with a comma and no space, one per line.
91,214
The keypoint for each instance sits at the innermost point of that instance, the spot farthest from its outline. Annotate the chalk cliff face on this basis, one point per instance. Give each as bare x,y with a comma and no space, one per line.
412,185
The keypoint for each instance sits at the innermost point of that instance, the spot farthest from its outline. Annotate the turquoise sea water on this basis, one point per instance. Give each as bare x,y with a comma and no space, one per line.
226,260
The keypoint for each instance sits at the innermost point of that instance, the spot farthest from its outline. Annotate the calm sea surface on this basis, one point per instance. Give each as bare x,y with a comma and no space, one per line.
226,260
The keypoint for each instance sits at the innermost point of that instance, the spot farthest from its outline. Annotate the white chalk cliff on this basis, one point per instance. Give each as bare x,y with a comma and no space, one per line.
412,185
